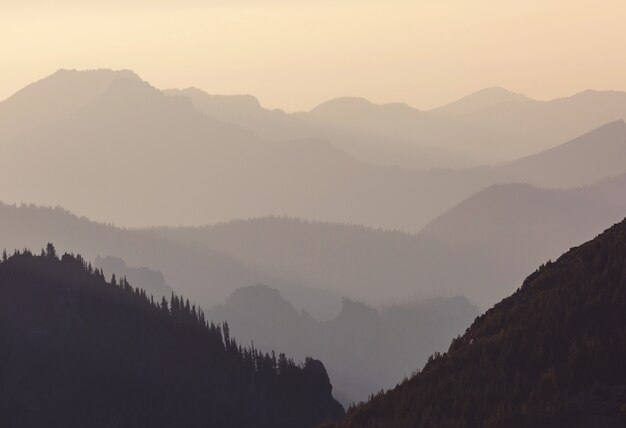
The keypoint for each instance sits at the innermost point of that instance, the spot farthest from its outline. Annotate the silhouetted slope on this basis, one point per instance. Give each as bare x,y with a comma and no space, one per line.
79,351
491,125
142,277
549,355
364,350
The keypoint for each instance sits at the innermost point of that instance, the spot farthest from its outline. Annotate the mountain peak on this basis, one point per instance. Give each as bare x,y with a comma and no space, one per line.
243,101
484,98
55,97
354,311
343,103
93,73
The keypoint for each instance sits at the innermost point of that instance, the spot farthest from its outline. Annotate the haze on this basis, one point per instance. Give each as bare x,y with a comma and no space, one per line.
294,55
255,213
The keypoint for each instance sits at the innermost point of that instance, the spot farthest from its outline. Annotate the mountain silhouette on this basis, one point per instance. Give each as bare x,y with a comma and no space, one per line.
363,349
167,163
142,277
548,355
80,351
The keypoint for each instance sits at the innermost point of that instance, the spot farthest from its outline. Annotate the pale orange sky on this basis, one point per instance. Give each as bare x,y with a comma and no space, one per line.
296,54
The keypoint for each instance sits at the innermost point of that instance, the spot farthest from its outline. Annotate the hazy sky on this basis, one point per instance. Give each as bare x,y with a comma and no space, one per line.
295,54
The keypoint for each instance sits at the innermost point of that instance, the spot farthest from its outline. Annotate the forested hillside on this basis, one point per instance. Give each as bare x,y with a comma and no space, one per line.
552,354
364,349
80,351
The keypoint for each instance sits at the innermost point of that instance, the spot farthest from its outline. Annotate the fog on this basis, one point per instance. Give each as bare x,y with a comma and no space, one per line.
366,235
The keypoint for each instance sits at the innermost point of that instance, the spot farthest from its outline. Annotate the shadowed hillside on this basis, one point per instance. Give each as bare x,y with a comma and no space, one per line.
549,355
80,351
141,277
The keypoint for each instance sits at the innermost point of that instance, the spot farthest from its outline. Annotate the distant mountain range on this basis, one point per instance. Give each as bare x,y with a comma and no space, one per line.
210,278
364,350
480,249
201,273
177,160
549,355
491,125
78,350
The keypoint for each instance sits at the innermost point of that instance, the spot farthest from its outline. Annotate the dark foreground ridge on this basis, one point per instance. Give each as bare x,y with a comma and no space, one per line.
78,351
551,355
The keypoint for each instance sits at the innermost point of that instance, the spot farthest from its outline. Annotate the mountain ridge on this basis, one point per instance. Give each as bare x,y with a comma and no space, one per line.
81,351
548,355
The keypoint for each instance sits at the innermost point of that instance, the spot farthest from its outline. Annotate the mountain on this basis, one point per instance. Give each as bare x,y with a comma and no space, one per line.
90,161
374,266
549,355
524,126
489,240
133,127
507,229
483,99
371,133
209,277
205,275
492,125
364,350
54,98
588,158
80,351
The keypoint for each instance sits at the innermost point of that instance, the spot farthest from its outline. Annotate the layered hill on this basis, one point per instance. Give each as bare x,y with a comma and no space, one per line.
377,134
478,249
549,355
595,155
529,126
80,351
491,125
510,228
166,162
204,275
364,349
